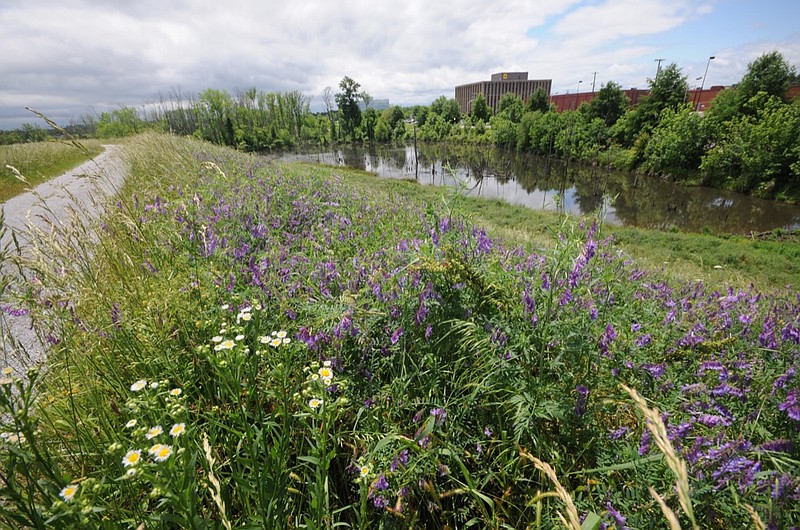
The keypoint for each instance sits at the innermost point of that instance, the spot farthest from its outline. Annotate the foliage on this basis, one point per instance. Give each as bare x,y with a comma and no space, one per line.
480,110
770,73
677,143
287,349
758,153
538,101
349,110
511,107
120,123
609,104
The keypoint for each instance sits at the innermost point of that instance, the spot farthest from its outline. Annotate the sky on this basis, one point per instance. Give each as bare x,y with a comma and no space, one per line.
72,58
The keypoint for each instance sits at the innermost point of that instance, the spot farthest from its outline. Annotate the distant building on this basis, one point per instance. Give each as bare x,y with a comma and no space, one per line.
500,84
376,104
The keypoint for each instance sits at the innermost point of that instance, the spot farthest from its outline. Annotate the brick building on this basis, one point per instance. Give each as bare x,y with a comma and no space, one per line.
700,99
500,84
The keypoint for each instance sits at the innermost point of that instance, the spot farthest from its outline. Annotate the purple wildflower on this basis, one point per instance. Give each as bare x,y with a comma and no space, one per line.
619,520
439,414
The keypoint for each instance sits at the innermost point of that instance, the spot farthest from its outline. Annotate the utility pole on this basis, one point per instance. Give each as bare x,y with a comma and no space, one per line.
658,68
594,77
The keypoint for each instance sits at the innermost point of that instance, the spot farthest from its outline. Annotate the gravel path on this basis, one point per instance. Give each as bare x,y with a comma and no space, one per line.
81,190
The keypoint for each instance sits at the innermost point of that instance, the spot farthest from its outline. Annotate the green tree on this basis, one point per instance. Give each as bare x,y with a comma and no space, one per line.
215,110
480,110
369,119
667,91
758,153
511,107
349,111
609,104
447,109
677,143
770,73
119,123
538,101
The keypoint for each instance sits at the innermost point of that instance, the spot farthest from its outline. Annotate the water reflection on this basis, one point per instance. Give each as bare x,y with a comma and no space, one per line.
535,182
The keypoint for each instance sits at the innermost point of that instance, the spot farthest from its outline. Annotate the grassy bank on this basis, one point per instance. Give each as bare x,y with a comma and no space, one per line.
38,162
768,261
253,345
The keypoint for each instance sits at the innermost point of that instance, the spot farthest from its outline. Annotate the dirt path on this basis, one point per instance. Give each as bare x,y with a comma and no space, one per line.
50,203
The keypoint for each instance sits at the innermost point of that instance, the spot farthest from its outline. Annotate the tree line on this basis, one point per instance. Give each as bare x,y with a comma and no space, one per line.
748,140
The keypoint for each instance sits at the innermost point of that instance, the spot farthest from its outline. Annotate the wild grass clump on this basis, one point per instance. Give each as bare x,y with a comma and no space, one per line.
23,166
267,346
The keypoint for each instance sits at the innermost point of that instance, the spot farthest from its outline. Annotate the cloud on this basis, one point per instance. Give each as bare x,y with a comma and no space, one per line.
69,56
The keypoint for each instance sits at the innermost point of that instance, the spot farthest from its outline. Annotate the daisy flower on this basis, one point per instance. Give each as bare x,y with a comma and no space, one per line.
6,381
281,334
315,403
263,339
325,373
218,338
7,370
131,458
138,385
175,392
69,492
177,430
154,385
161,452
153,432
276,342
287,340
363,471
131,423
226,345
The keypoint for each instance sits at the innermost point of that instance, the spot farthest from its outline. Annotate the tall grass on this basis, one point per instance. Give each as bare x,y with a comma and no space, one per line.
38,162
254,345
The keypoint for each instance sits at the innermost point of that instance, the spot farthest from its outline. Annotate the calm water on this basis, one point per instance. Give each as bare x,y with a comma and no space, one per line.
535,182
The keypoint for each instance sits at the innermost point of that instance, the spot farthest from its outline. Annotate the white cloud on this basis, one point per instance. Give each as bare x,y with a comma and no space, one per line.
69,55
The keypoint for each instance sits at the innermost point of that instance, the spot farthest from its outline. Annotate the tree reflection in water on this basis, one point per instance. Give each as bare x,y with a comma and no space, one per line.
624,198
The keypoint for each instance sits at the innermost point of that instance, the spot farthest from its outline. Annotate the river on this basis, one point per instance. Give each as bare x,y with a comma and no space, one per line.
622,198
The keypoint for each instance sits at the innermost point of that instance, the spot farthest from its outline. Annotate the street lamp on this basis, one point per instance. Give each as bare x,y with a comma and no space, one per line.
577,93
700,95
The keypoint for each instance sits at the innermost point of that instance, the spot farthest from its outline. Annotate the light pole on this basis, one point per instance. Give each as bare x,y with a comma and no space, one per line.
703,84
577,93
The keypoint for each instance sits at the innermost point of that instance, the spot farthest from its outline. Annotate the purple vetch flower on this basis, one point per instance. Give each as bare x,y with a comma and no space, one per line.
381,483
782,379
619,520
713,420
428,332
790,405
116,315
656,370
396,335
781,445
644,442
439,415
399,459
621,432
380,502
14,312
580,402
643,340
487,431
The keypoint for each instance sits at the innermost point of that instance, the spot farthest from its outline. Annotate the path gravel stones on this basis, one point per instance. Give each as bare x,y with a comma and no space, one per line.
82,190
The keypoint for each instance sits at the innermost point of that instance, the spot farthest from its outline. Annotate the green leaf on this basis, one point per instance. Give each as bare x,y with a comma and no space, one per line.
592,522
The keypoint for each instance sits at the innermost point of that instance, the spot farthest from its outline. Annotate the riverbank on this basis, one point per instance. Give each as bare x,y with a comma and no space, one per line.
252,343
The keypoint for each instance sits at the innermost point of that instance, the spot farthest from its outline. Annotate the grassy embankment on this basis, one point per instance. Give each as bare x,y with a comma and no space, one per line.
254,345
38,162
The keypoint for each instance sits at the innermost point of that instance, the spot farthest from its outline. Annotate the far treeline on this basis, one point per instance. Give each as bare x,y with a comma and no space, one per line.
747,141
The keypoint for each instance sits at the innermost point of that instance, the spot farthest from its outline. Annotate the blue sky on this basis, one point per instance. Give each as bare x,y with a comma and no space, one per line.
69,58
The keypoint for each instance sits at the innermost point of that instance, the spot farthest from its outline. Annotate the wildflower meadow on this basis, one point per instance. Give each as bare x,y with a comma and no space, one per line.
243,344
